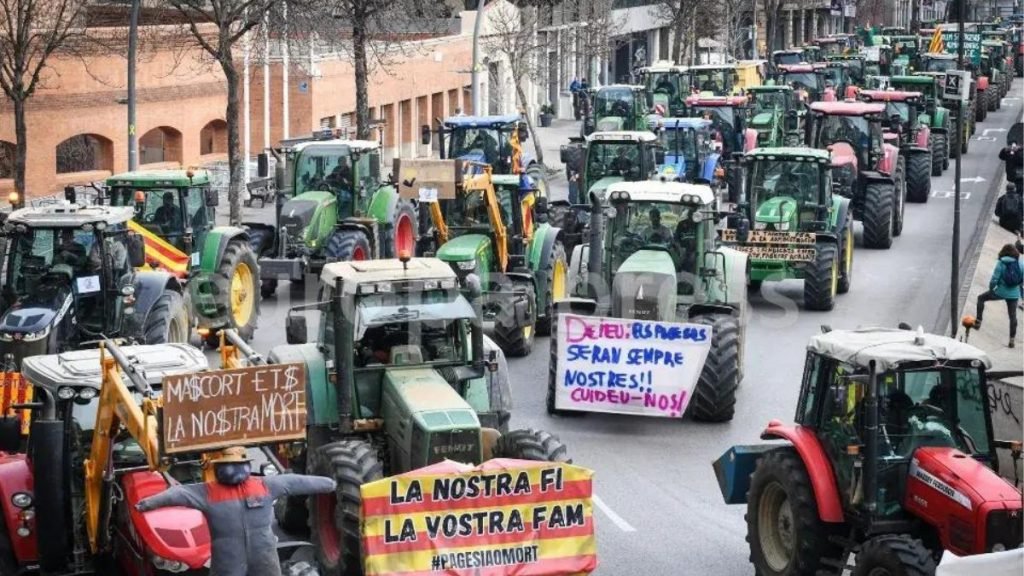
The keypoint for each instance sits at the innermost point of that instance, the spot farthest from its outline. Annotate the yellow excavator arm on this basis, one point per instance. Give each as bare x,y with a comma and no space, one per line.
483,184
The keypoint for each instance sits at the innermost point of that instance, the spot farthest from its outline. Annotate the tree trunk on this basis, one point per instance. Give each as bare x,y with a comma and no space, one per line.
528,113
21,149
677,39
236,167
362,73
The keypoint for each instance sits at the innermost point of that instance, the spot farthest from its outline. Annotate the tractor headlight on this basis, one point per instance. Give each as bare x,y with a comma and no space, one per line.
21,500
34,336
65,393
6,337
87,393
760,225
783,226
161,563
467,265
998,547
697,216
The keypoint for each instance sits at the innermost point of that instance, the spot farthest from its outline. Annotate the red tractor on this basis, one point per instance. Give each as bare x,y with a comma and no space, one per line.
903,126
865,168
891,461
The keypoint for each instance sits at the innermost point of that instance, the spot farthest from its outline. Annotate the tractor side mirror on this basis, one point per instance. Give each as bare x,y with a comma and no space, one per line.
10,434
136,250
492,361
425,134
295,329
262,165
69,194
212,198
659,155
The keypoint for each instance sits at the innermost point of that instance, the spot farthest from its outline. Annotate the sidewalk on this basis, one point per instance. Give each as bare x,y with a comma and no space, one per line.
551,140
1006,397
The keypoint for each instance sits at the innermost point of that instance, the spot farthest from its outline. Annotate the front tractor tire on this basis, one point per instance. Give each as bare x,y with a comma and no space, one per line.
167,321
879,209
530,444
404,233
239,266
846,258
555,280
347,246
821,282
894,555
901,196
784,532
334,518
261,240
940,154
920,168
714,396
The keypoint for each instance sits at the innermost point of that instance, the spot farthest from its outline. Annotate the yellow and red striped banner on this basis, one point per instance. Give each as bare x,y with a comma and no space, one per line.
937,46
15,390
502,518
161,254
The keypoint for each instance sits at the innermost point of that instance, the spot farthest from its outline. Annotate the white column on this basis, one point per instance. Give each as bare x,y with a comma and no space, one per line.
246,112
800,32
266,81
787,38
285,119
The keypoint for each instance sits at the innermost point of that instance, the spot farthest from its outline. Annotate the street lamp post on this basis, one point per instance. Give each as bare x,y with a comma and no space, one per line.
954,276
476,56
133,40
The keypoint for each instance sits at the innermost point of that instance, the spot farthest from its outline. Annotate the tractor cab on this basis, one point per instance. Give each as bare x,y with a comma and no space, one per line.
728,115
901,115
788,189
933,62
838,77
494,140
714,79
618,107
855,63
812,54
878,61
832,46
807,80
775,115
667,84
688,145
851,131
788,57
618,156
906,50
176,205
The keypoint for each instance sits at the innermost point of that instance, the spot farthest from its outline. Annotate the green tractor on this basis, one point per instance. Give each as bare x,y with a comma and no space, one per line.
668,85
981,90
616,156
400,376
792,225
856,65
617,107
775,115
654,254
906,51
994,65
936,116
174,214
332,204
956,108
487,226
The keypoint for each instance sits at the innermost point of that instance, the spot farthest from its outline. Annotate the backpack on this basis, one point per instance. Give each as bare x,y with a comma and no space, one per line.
1012,275
1008,209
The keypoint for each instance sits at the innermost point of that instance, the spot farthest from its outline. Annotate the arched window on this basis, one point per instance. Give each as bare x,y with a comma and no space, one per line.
85,152
161,144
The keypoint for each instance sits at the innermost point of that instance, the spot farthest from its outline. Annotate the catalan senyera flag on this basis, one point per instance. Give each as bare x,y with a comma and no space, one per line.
15,390
937,45
501,518
160,254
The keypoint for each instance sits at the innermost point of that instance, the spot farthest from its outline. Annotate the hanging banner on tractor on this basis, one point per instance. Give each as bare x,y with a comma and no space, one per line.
623,366
502,518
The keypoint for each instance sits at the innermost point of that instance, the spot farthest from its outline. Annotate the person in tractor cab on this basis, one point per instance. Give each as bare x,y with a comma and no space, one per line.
167,215
239,510
622,163
71,252
664,86
657,233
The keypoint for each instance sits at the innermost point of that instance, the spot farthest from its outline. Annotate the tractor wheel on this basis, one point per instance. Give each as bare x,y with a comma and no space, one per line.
920,168
240,268
879,207
261,239
993,99
404,233
167,320
821,282
981,110
939,155
894,555
901,197
785,534
555,280
846,259
347,246
334,518
515,339
714,397
530,444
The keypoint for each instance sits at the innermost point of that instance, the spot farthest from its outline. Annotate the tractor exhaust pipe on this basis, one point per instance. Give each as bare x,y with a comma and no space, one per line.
871,448
596,248
342,344
475,293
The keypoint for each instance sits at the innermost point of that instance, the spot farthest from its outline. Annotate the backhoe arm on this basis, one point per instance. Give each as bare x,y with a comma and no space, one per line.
482,183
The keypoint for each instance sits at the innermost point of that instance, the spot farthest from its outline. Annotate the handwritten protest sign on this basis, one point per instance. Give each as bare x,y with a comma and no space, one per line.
245,406
503,517
626,366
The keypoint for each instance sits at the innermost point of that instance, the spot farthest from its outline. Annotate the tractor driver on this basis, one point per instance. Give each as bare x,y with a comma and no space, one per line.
167,216
657,233
665,86
70,252
623,164
686,228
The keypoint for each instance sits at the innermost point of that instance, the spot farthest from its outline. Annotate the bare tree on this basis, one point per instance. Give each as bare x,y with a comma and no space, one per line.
31,31
689,20
218,26
594,27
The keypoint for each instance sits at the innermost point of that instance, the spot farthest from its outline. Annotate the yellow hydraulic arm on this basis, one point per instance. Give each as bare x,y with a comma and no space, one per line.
117,407
482,183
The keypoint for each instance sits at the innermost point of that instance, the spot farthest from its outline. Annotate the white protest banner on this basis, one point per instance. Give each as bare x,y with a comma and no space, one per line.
624,366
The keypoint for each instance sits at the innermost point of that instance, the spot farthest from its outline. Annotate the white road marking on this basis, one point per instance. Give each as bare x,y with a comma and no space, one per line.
987,130
975,179
615,518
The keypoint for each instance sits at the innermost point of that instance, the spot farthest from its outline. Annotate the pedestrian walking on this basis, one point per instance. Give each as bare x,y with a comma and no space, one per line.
239,510
1010,209
1013,158
574,91
1005,285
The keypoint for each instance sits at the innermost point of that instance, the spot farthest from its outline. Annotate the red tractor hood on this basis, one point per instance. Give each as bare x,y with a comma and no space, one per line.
174,533
961,479
843,154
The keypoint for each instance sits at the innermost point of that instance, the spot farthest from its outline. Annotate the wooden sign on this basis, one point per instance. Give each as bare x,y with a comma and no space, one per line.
211,410
770,237
427,180
776,252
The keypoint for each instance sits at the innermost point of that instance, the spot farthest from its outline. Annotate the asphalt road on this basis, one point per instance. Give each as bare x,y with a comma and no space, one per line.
659,508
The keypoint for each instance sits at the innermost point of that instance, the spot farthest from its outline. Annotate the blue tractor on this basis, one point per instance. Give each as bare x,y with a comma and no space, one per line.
690,155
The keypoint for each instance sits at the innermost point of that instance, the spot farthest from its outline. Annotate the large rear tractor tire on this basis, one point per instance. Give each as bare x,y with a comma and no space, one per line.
714,397
993,98
940,156
920,168
846,258
878,214
262,242
821,283
901,197
240,268
334,518
785,534
167,321
981,110
516,339
530,444
404,230
348,246
554,279
894,555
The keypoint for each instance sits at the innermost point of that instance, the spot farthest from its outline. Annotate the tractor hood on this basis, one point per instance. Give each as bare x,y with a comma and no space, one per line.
644,287
462,248
778,210
958,477
843,154
762,120
298,212
444,425
610,123
598,188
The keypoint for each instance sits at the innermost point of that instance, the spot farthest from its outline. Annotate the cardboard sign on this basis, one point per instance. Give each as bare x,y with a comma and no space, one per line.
247,406
776,252
622,366
439,178
503,517
770,237
972,44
